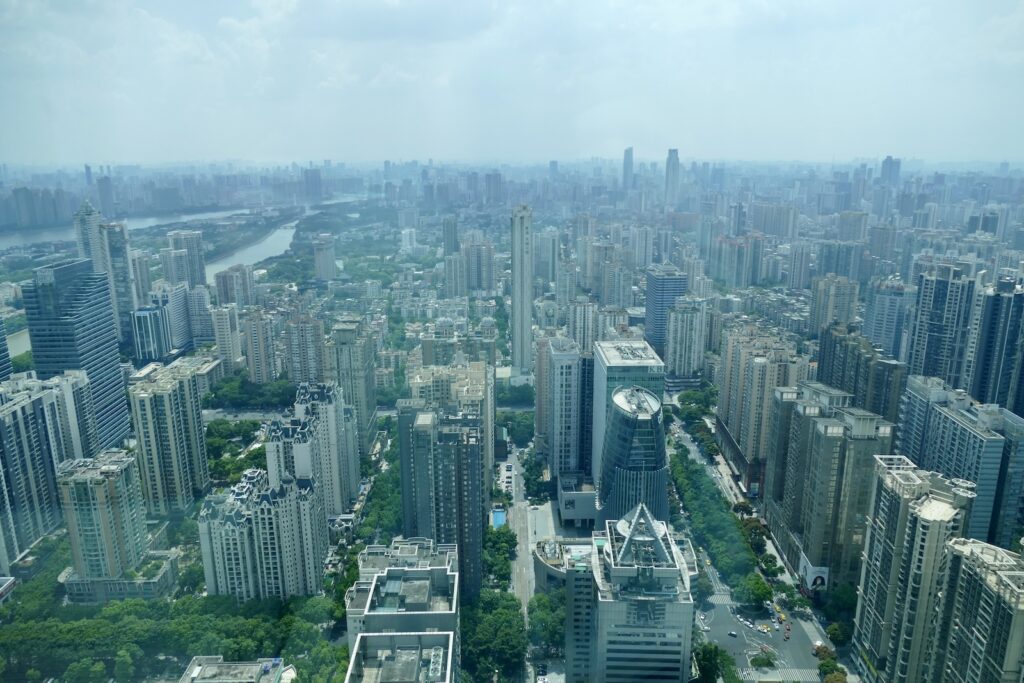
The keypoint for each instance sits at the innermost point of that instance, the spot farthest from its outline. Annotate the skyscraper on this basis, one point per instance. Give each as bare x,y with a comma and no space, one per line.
349,362
304,341
236,285
672,177
847,360
665,284
227,334
87,221
260,353
629,614
168,419
634,462
324,257
112,255
190,241
141,274
71,327
686,337
450,235
833,299
563,405
6,367
940,327
582,322
993,362
886,313
625,363
521,321
627,169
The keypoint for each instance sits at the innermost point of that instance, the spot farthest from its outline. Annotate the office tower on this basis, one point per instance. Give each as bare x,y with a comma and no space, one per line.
324,258
798,273
227,334
71,327
755,360
634,463
564,405
672,177
350,361
625,363
479,257
88,175
42,423
411,469
993,364
304,341
236,285
981,626
312,185
467,389
833,300
173,299
455,283
665,284
818,480
260,354
616,285
450,235
111,255
890,175
110,545
687,336
151,333
847,360
886,312
418,575
142,276
190,241
913,515
521,320
447,498
629,614
6,367
627,169
944,430
105,191
261,541
174,264
168,419
87,221
582,322
940,326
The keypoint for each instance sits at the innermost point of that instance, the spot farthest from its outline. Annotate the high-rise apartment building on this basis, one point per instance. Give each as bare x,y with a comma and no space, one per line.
479,258
325,260
564,405
260,350
171,439
944,430
443,475
521,320
304,342
940,326
625,363
629,614
450,235
886,313
71,326
111,254
349,362
665,284
262,541
914,514
42,423
849,361
582,322
687,336
191,242
142,274
236,285
993,361
634,466
227,334
833,300
87,221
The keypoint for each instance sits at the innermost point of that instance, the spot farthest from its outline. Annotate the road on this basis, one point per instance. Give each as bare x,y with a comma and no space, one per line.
211,414
522,567
795,660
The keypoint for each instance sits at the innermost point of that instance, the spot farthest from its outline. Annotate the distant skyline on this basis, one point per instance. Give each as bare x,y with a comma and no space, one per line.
112,81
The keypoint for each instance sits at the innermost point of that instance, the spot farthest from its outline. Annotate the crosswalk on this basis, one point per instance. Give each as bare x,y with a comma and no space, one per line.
781,674
720,599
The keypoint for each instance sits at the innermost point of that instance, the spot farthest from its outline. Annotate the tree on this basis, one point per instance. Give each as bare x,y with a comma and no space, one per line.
830,666
838,633
753,591
743,508
707,656
763,660
22,362
835,677
824,652
704,589
547,619
124,669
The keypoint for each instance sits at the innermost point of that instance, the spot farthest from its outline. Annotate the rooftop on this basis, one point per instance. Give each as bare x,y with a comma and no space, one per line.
215,670
402,658
627,352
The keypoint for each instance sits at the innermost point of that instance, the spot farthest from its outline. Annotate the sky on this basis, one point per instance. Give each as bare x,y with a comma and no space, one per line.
512,80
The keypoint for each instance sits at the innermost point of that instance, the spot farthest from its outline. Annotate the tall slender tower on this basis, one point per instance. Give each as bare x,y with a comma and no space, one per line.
627,169
190,241
672,177
522,290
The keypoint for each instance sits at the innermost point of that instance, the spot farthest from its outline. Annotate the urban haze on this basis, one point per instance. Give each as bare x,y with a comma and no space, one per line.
511,342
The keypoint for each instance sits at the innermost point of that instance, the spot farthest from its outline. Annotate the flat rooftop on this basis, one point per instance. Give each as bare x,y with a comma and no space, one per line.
402,658
627,352
216,670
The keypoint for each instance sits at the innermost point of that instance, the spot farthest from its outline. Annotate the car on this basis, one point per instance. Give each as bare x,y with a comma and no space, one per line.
776,627
732,634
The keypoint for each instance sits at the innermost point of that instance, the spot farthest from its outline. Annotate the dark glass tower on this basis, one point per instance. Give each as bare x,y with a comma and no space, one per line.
71,326
634,465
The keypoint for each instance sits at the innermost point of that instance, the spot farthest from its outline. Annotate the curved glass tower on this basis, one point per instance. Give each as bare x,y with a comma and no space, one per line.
635,466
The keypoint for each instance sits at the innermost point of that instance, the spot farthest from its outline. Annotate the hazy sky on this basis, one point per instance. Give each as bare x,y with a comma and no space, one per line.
163,80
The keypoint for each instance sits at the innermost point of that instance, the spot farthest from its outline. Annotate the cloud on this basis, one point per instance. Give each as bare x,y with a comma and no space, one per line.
518,79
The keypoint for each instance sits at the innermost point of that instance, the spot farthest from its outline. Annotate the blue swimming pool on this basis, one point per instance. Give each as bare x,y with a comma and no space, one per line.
498,518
